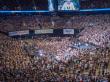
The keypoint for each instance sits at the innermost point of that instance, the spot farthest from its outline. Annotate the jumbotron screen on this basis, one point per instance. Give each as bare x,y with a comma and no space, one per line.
68,5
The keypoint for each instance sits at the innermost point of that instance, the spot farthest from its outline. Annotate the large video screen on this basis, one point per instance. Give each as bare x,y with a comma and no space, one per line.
68,5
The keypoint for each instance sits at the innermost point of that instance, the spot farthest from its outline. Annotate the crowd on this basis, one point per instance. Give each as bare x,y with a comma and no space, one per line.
19,22
52,60
100,36
55,59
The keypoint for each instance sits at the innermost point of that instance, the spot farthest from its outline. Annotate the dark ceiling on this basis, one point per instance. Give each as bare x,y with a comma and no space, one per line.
24,4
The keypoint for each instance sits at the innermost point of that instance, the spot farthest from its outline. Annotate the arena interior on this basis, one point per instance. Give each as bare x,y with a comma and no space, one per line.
82,56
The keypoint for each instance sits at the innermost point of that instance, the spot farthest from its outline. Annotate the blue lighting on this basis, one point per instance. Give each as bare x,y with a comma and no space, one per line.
24,11
103,10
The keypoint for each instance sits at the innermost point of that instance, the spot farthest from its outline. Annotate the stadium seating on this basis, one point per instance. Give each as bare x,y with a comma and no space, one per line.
53,59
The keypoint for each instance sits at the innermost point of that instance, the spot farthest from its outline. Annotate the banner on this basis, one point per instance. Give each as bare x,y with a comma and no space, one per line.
45,31
19,33
68,31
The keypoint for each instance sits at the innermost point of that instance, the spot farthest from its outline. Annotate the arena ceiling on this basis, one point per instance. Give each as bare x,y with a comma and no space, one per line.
24,4
43,4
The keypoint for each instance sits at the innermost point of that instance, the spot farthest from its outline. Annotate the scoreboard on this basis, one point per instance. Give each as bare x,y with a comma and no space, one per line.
68,5
76,5
64,5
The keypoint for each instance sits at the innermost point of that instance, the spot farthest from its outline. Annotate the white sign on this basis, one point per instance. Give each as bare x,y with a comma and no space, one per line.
46,31
15,33
68,31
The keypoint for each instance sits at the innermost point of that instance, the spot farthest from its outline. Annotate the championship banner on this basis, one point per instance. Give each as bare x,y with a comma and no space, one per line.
45,31
68,31
19,33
